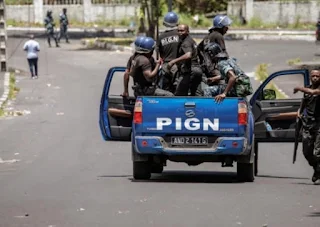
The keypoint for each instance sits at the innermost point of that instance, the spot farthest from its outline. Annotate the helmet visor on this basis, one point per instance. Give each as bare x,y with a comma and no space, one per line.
225,21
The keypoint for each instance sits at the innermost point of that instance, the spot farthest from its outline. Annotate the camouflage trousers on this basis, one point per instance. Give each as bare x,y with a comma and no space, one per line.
214,90
311,141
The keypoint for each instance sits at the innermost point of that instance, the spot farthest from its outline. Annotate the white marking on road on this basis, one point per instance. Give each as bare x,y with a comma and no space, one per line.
250,74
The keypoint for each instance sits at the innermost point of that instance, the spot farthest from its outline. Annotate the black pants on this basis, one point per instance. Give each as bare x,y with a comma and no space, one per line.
33,63
195,79
183,84
50,34
63,32
311,142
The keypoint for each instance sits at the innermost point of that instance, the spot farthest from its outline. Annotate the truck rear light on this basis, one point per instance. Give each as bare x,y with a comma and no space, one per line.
242,113
137,112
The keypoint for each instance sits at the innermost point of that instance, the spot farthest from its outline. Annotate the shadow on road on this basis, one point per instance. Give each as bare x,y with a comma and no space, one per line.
192,177
283,177
314,214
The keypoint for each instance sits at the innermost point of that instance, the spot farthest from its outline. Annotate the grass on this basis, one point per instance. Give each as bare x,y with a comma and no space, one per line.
204,23
293,61
262,74
13,91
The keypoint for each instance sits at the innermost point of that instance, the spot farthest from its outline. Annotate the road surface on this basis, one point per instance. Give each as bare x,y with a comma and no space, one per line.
57,171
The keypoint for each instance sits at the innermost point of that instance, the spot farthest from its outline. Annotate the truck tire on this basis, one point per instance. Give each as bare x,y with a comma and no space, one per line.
245,172
141,170
156,168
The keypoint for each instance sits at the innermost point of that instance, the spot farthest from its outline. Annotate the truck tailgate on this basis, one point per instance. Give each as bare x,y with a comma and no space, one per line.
192,115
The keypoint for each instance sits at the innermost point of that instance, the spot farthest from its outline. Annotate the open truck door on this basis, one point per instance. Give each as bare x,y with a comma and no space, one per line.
275,112
116,111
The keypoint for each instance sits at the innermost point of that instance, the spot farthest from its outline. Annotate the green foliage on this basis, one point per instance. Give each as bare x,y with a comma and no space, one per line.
19,2
200,6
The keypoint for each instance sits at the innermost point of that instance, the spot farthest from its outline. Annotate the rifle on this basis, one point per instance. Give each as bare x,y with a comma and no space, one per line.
297,137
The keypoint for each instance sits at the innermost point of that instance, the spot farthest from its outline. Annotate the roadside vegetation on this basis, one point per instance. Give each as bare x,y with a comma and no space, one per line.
261,74
293,61
13,91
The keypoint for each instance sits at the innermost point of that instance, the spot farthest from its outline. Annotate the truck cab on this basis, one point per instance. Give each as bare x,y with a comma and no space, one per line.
195,130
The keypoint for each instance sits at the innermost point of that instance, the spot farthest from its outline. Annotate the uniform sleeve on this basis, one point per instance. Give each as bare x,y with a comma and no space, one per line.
145,64
129,63
224,67
186,47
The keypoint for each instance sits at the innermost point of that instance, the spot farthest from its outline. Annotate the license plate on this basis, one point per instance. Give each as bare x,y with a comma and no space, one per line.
189,140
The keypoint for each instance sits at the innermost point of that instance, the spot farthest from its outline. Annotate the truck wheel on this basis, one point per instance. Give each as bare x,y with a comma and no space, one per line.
156,168
141,170
245,172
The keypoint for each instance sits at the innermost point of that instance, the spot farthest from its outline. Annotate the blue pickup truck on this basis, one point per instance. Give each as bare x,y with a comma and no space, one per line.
195,130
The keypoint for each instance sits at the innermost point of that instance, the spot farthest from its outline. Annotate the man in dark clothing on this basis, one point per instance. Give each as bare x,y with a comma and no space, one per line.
189,68
310,107
220,27
126,76
64,22
144,70
49,24
168,44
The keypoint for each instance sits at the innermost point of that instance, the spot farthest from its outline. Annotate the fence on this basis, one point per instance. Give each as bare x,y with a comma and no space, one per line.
83,11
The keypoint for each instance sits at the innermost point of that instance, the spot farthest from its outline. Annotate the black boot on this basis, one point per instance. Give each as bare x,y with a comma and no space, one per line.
316,174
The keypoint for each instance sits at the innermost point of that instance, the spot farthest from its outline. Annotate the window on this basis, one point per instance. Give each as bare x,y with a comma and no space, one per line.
282,87
116,86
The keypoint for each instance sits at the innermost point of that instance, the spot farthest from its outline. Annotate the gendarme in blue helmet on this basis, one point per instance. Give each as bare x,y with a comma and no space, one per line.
171,19
221,21
144,45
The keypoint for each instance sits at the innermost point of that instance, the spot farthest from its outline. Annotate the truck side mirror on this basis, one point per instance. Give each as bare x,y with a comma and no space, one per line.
269,94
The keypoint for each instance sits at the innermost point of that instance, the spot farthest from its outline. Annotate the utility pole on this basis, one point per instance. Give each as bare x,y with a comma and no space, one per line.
169,5
3,37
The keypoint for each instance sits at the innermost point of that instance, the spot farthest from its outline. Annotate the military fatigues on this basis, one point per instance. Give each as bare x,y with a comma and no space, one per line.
311,131
168,44
189,70
49,24
142,85
242,86
213,37
64,22
209,69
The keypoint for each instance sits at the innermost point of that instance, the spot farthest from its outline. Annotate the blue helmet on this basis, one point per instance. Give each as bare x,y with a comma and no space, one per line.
170,19
144,44
221,21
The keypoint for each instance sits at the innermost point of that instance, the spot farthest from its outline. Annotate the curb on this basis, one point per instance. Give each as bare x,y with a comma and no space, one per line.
5,94
233,34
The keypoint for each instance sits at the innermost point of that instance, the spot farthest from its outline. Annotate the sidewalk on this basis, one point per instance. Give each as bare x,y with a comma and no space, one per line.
1,83
233,34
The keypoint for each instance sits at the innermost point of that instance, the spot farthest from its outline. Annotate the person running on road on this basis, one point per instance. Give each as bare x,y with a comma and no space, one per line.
32,48
310,107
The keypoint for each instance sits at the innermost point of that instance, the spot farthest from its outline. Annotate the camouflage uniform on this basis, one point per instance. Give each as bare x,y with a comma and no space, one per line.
64,22
49,24
242,86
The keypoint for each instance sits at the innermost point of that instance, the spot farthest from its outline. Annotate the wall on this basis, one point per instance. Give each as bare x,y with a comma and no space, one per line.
94,12
275,11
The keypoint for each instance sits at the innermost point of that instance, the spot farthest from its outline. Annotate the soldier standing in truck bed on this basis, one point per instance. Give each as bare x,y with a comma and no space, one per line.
168,44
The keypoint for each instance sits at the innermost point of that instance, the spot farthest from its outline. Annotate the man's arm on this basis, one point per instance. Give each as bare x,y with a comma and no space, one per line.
126,79
25,46
187,49
150,74
305,90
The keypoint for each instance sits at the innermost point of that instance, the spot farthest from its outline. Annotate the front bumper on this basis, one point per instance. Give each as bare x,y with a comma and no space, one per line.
155,145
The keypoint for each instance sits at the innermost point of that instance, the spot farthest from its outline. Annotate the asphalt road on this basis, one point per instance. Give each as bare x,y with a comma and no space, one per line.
57,171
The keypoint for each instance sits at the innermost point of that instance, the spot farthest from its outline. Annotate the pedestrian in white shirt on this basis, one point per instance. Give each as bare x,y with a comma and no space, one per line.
32,48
